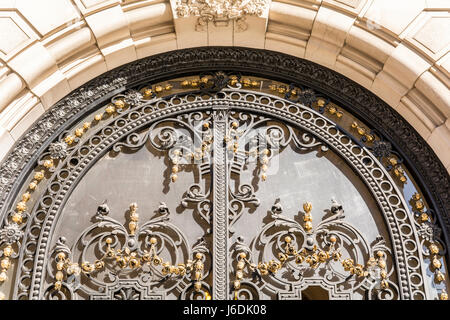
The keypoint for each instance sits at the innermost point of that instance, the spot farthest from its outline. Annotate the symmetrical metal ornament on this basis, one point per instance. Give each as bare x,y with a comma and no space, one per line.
213,132
128,263
333,254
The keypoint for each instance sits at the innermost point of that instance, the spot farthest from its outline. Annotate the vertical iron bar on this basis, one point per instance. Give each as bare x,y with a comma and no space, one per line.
220,206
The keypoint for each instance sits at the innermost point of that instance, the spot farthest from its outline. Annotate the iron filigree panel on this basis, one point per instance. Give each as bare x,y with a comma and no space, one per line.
281,121
216,127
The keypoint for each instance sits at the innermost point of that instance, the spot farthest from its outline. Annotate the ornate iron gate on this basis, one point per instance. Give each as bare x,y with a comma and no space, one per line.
229,217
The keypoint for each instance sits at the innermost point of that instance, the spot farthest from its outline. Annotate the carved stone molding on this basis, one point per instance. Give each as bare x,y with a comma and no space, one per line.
221,12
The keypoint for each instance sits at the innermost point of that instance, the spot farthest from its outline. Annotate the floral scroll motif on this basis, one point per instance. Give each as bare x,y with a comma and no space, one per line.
333,249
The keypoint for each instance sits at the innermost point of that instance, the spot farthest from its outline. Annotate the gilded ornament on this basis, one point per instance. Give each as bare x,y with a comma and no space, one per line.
48,163
61,256
197,285
321,103
337,256
39,175
79,132
299,259
21,206
182,269
437,263
110,109
5,263
98,117
347,264
134,263
307,206
434,248
87,267
59,275
26,196
17,218
58,285
120,104
157,260
8,251
323,256
393,161
3,276
282,257
69,139
74,268
444,295
439,276
308,225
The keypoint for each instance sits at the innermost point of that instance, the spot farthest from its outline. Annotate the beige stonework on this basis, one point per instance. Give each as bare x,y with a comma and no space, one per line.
397,49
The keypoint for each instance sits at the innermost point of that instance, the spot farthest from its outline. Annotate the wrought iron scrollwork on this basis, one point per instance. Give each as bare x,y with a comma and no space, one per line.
134,119
128,262
333,254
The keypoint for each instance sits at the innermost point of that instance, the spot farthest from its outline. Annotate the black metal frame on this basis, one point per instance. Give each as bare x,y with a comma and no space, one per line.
418,155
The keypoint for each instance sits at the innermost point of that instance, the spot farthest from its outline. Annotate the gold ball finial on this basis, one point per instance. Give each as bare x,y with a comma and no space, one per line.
199,255
61,256
307,206
153,240
434,249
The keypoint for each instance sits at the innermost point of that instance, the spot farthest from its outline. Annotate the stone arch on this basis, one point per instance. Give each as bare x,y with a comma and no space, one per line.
259,62
389,48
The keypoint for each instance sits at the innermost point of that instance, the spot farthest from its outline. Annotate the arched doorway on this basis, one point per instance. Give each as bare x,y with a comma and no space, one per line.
249,183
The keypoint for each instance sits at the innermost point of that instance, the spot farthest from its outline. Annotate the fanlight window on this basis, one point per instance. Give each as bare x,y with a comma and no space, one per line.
222,186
